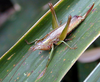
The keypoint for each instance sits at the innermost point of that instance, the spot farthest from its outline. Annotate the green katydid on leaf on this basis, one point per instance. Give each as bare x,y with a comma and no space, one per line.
63,57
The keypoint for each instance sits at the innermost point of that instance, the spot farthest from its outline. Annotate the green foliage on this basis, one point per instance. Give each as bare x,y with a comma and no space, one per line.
63,57
94,76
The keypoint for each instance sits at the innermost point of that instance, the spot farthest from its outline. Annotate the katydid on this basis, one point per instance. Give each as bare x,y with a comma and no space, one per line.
57,35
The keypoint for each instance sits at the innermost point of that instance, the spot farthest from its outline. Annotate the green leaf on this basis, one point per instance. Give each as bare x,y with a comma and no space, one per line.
63,57
94,76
